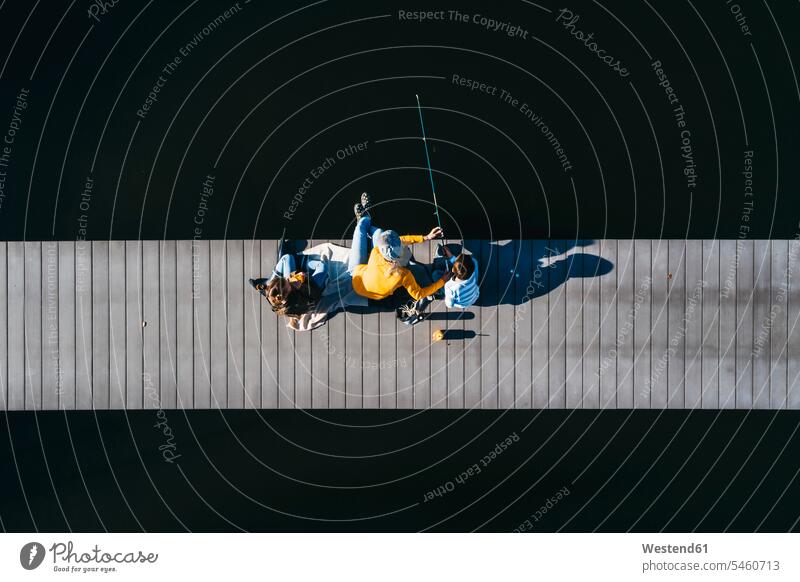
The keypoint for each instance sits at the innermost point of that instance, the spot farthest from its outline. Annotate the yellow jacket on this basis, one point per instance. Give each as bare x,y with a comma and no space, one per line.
378,279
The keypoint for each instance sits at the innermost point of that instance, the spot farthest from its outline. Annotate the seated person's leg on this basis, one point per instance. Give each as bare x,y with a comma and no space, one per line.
359,249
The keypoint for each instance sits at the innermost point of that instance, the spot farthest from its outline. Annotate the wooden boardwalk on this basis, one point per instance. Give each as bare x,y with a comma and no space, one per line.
561,324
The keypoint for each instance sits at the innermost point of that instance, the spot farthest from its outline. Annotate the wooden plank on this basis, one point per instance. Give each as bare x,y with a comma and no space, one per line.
591,324
793,312
489,326
151,331
642,322
727,324
557,326
437,350
506,286
472,351
744,323
183,322
693,326
387,353
117,324
269,332
354,360
339,359
252,325
302,369
66,325
235,323
455,350
168,324
3,326
134,332
218,306
607,366
523,326
573,337
320,341
50,352
101,331
33,326
320,393
286,371
779,337
404,358
16,325
337,365
420,362
83,324
762,324
660,332
201,323
629,298
421,332
711,322
541,315
677,309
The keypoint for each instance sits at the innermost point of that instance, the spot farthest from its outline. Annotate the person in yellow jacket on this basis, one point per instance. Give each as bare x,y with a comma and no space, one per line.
377,274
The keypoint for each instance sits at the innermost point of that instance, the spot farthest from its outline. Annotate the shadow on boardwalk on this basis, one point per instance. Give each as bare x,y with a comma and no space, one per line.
515,272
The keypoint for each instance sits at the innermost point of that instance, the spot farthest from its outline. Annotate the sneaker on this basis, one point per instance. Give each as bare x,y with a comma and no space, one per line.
360,211
366,202
409,315
257,285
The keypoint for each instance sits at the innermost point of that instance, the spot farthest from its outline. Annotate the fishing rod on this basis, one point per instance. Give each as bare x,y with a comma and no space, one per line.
428,158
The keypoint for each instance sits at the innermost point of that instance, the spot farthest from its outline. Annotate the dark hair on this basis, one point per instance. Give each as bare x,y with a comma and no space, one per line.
299,300
463,267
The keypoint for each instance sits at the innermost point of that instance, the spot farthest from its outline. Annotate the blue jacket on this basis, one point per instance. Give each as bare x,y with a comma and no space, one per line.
462,294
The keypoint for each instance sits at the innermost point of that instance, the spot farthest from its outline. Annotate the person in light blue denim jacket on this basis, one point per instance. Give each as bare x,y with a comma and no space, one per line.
295,285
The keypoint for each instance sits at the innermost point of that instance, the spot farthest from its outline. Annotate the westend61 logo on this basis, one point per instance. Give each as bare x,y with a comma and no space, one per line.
31,555
66,559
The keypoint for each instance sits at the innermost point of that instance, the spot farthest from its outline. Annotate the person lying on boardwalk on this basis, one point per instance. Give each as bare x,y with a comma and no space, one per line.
295,285
379,273
330,293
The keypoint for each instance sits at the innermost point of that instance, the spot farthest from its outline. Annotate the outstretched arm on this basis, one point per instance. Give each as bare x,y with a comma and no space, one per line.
417,292
412,239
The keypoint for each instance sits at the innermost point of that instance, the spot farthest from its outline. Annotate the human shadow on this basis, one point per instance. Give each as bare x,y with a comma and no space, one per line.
515,272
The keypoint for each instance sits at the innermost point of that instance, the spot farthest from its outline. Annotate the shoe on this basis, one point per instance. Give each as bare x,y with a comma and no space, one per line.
366,202
408,315
257,286
360,211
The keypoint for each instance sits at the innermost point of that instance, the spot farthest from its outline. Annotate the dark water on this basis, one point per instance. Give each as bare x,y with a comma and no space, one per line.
269,94
278,96
372,471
